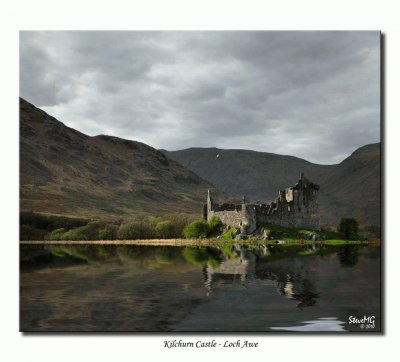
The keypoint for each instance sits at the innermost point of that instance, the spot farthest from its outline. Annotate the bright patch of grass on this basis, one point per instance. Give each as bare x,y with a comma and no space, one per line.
342,242
228,234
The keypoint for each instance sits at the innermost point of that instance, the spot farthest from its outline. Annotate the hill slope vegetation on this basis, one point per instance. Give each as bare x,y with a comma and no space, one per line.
65,172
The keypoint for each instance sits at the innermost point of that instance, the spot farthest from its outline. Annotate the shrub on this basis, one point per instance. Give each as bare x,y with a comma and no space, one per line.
80,233
28,232
152,220
214,224
91,231
57,234
348,227
107,233
38,226
180,221
165,229
87,232
135,230
196,229
50,222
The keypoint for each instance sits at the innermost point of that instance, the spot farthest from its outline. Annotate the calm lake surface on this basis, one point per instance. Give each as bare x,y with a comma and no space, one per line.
232,288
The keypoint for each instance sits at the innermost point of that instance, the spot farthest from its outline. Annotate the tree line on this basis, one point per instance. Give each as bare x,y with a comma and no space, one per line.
34,226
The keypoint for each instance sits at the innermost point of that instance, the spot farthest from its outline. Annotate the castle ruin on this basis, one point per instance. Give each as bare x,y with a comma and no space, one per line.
295,207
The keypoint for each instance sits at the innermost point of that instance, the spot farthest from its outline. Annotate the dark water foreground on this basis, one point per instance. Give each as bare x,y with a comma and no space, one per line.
232,288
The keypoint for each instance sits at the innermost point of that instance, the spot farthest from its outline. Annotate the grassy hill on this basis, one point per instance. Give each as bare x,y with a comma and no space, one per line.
65,172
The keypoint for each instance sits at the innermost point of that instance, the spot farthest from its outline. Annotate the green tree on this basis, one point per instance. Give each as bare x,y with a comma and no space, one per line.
215,224
57,234
166,229
87,232
348,227
135,230
153,220
107,233
196,229
180,221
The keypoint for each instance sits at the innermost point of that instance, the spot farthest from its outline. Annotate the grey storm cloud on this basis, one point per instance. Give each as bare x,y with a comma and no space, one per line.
314,95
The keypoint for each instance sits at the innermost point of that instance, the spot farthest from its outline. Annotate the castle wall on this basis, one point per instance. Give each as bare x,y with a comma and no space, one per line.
295,206
289,194
232,218
249,222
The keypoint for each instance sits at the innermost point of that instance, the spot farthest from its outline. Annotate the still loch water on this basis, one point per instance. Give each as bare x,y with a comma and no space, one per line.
232,288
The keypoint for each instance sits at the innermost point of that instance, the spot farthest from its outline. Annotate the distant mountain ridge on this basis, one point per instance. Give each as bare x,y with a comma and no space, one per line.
350,188
65,172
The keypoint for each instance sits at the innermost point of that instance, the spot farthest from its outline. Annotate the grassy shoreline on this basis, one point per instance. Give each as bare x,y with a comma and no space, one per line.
191,242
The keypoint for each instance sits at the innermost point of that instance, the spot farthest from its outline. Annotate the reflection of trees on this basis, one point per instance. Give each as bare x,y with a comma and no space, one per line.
307,296
149,257
89,253
348,255
37,257
201,256
146,257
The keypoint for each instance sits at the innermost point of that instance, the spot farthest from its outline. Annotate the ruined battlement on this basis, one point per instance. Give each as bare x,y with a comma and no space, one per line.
295,206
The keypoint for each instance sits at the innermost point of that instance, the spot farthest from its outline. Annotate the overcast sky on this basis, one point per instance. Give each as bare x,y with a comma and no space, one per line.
313,95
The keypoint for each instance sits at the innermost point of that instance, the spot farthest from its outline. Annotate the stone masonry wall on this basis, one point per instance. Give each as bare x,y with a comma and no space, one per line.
249,223
232,218
295,206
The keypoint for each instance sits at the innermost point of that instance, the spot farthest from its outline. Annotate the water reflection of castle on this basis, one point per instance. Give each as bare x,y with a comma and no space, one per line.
239,268
245,265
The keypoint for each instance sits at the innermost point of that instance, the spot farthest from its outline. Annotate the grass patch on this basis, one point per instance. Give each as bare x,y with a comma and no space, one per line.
228,234
300,235
343,242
